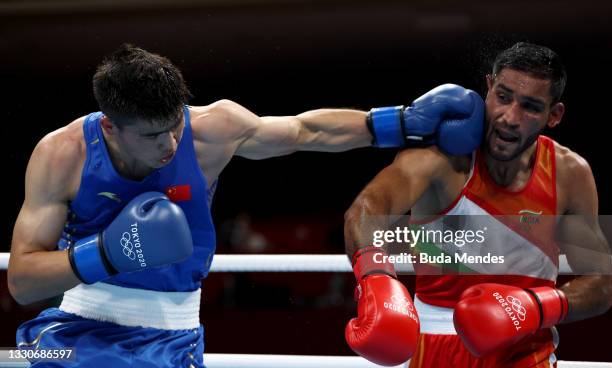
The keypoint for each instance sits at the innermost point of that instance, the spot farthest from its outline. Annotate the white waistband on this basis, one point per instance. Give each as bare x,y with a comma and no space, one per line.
435,320
134,307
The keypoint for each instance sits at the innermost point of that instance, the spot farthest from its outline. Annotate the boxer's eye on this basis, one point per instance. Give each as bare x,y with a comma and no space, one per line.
503,97
532,107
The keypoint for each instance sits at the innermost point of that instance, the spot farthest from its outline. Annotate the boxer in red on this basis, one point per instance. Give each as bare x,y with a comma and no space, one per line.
487,319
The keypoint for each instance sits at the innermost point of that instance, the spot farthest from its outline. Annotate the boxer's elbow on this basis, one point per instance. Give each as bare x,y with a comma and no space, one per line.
17,287
21,286
369,202
355,212
602,294
608,293
603,301
20,298
23,294
588,296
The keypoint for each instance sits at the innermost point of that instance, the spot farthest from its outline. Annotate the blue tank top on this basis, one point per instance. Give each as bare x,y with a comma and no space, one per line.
103,193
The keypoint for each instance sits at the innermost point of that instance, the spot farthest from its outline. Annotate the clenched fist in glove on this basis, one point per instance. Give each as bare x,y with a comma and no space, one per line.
491,317
449,116
386,329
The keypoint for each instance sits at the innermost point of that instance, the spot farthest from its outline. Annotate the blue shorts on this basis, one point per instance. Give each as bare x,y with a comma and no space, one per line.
105,344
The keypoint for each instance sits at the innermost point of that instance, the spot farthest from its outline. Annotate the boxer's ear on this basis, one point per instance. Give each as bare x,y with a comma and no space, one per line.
489,81
556,114
108,126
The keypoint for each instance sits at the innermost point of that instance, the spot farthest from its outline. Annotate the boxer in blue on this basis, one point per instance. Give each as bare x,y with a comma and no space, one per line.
117,217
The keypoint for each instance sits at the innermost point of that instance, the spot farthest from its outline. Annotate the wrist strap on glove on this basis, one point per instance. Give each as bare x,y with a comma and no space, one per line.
371,260
552,303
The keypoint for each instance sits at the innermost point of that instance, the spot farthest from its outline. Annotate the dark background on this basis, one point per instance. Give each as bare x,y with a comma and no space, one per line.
279,58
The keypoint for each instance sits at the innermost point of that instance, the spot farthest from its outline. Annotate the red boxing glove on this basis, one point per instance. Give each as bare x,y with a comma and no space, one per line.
491,317
386,329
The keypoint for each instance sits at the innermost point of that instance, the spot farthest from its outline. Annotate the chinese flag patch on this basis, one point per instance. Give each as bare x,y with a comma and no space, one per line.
179,193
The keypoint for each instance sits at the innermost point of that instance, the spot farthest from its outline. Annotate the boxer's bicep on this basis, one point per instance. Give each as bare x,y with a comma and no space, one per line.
38,228
41,220
270,136
43,213
581,239
579,233
231,129
244,133
584,245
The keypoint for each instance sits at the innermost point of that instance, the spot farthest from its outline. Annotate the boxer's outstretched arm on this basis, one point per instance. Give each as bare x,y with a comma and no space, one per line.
392,192
36,269
330,130
581,239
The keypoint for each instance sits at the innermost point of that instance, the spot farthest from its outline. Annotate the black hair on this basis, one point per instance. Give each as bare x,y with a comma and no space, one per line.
132,83
539,61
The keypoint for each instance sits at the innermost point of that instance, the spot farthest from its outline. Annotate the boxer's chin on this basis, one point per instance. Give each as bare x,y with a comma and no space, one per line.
503,150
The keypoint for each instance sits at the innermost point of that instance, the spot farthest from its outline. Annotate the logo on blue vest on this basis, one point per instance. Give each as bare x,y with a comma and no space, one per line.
111,196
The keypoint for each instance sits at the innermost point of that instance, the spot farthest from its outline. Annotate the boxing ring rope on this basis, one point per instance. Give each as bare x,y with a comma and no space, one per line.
291,263
299,263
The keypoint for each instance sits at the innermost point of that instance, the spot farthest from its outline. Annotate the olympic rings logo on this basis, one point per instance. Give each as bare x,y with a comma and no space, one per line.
128,247
517,306
402,301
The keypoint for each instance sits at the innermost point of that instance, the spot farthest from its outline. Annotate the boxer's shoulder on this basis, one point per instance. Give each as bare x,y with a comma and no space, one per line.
57,159
222,121
566,159
570,166
575,181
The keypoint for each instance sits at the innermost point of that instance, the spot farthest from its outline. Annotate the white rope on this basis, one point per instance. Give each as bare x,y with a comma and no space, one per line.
4,258
305,361
280,263
291,263
565,364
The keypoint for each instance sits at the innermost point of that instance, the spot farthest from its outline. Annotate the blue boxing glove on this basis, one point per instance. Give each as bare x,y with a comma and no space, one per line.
449,115
150,231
